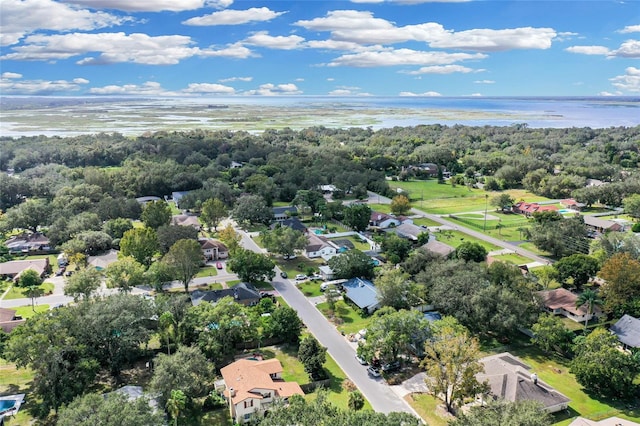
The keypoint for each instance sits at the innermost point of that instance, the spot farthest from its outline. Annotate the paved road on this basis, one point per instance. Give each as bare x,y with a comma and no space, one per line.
377,392
379,199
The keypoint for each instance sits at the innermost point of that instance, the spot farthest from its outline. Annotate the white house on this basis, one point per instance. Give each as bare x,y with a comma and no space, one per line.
319,246
252,386
563,302
383,220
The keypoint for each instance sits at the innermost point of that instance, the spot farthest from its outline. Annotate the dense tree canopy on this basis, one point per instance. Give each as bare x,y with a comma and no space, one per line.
251,266
115,408
350,264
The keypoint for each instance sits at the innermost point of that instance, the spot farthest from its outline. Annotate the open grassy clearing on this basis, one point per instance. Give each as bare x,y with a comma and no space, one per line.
347,319
455,238
16,292
380,208
27,311
298,265
532,248
425,405
358,244
15,380
207,271
310,288
423,221
516,259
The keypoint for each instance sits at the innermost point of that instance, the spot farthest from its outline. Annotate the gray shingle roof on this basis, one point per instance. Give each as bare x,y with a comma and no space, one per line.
628,331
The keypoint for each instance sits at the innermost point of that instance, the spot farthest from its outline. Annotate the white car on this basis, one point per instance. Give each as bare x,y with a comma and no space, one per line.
301,277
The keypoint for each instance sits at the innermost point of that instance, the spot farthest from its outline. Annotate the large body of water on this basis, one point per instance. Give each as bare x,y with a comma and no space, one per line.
69,116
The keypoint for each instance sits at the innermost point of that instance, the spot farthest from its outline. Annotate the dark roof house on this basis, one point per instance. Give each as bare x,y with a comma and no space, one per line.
14,268
282,213
243,293
627,329
27,242
439,248
510,379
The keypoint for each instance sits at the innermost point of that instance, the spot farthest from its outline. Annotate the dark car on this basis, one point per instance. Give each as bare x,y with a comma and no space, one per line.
283,274
373,372
391,366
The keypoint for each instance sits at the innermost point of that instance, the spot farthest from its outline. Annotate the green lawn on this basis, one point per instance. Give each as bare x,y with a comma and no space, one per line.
432,197
381,208
513,258
532,248
17,380
298,265
350,319
423,221
357,242
16,292
555,372
455,238
425,405
27,312
207,271
310,288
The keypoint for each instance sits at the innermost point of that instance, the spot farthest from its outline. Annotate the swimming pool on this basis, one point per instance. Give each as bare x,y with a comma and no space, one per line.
6,405
564,211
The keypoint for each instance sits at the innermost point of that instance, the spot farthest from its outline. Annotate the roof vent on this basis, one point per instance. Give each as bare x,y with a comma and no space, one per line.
232,392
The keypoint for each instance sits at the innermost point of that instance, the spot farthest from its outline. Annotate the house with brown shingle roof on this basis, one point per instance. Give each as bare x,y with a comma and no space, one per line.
14,268
8,320
510,379
252,386
563,302
186,220
213,249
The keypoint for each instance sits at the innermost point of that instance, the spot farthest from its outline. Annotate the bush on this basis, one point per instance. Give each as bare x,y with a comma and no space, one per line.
636,227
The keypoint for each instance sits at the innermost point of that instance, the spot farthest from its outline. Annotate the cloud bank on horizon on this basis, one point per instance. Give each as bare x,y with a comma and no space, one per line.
337,48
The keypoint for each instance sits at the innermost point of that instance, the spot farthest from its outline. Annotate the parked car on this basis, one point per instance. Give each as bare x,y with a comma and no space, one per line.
391,366
283,274
316,276
60,271
361,360
289,257
301,277
373,372
219,265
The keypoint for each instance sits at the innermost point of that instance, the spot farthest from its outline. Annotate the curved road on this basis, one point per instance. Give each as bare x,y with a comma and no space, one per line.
379,199
377,392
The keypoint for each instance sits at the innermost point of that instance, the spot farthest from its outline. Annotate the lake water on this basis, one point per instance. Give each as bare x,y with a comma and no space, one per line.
70,116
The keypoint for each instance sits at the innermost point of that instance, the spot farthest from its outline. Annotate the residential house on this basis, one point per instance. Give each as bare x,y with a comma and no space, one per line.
510,379
101,262
293,223
383,220
243,293
9,320
186,220
627,330
14,268
320,246
135,392
328,189
430,169
147,199
252,386
563,302
439,248
28,242
409,231
282,213
213,249
326,272
594,182
572,204
600,226
176,196
528,209
610,421
235,165
362,293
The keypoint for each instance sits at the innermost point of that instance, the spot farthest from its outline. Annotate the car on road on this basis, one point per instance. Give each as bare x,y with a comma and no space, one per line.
219,265
361,360
373,372
283,274
301,277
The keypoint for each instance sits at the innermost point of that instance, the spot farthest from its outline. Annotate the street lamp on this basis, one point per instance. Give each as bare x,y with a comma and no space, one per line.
486,206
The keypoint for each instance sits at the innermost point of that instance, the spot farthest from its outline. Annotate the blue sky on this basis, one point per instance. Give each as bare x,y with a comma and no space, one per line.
212,48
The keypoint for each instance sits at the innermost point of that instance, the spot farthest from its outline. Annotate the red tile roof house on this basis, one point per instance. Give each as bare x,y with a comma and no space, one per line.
252,386
529,209
563,302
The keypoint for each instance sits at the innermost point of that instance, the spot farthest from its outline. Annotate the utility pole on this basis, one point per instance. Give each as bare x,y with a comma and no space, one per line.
486,206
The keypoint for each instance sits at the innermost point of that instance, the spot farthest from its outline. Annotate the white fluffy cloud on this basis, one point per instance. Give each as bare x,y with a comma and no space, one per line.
401,57
209,88
363,28
149,88
270,89
430,94
234,17
588,50
22,17
409,1
484,82
630,29
141,5
263,39
10,83
232,79
9,75
235,51
629,82
112,48
441,69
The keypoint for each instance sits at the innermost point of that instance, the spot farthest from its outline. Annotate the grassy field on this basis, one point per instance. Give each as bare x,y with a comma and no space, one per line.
293,267
432,197
310,288
381,208
350,319
16,292
516,259
455,238
207,271
423,221
358,244
27,311
12,381
425,405
532,248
